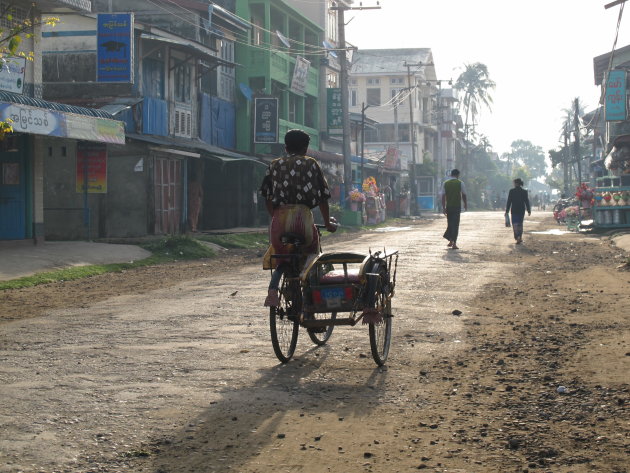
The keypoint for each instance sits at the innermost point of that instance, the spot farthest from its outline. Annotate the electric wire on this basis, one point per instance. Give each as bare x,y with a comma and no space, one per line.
242,37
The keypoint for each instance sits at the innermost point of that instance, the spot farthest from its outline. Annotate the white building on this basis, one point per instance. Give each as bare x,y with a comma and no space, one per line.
390,85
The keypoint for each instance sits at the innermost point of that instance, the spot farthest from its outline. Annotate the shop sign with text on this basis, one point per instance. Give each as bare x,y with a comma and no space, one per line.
114,47
334,111
616,96
266,120
12,74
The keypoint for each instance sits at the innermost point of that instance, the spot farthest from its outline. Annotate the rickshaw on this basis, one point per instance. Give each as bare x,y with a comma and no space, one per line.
314,291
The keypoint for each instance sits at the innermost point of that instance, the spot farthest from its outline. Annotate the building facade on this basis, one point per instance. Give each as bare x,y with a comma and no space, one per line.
43,131
393,88
279,65
178,107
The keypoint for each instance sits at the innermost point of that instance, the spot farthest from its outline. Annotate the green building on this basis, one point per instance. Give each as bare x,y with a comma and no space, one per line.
279,38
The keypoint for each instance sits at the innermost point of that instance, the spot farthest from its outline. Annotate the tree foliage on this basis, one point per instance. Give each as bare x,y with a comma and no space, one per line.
11,38
476,85
525,153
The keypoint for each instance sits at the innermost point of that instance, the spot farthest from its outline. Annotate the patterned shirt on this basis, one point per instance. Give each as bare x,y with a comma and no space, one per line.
294,179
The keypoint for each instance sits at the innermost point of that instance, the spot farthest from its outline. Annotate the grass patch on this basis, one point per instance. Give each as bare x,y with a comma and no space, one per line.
242,241
165,250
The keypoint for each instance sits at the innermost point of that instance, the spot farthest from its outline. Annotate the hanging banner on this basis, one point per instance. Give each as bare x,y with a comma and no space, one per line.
616,96
334,112
92,159
266,120
300,75
114,50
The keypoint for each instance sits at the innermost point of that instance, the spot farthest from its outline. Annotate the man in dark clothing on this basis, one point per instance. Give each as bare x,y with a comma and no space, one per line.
453,194
518,202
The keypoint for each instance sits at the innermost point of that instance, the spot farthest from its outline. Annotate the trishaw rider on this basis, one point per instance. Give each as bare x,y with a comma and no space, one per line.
293,185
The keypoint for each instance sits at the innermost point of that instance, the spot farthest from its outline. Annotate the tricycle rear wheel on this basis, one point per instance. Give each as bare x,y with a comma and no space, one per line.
284,319
378,298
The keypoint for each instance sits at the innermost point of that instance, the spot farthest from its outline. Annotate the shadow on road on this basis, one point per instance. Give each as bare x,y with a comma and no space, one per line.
456,256
247,421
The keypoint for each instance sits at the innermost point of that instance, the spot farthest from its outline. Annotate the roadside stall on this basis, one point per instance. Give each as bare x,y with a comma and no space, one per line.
611,200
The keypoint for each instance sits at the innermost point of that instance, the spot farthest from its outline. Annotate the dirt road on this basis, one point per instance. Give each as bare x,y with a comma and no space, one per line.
170,369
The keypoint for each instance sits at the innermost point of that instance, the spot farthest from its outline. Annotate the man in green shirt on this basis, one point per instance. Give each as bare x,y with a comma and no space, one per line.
453,194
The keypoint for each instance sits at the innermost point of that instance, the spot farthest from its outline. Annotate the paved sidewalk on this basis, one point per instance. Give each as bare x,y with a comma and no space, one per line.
23,258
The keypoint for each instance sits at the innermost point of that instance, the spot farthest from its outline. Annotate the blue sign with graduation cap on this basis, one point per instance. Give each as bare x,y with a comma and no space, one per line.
114,48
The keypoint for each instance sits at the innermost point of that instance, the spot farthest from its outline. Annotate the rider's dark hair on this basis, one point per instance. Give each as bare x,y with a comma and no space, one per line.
518,182
455,173
296,141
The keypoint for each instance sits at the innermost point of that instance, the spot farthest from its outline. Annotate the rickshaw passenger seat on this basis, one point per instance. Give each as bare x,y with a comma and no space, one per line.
338,276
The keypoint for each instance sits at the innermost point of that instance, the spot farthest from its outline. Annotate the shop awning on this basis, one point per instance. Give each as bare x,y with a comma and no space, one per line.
40,117
187,144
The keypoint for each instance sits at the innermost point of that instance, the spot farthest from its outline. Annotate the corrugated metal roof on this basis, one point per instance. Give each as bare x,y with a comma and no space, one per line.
384,61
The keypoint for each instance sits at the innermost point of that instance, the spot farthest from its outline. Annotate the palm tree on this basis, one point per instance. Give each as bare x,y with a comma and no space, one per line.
476,84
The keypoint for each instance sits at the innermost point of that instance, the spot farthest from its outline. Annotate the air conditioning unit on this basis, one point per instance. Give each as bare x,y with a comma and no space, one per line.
183,122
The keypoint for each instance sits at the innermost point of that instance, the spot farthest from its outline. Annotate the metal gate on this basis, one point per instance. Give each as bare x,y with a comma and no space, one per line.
168,195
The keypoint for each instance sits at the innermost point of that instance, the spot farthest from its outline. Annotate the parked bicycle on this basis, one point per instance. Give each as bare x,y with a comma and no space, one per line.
314,290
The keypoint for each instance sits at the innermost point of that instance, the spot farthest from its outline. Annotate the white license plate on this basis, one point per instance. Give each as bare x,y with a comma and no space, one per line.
333,296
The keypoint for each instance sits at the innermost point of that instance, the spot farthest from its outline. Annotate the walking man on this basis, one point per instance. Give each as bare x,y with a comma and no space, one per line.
453,194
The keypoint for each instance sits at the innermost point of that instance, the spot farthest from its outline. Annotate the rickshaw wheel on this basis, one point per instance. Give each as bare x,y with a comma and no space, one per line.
284,319
381,332
320,338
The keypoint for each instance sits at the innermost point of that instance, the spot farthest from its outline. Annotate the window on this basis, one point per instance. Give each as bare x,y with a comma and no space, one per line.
353,97
18,15
353,82
258,33
225,73
374,97
374,81
182,83
396,81
153,78
310,112
331,80
371,135
293,108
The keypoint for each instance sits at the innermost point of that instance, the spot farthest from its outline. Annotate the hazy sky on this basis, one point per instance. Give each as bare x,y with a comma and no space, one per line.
539,52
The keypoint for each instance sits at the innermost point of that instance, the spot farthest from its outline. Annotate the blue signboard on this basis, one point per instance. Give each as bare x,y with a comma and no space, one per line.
616,96
114,47
266,120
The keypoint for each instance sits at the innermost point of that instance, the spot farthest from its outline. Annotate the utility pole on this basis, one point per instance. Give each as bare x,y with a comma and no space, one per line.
578,151
412,138
363,109
343,84
565,160
345,116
